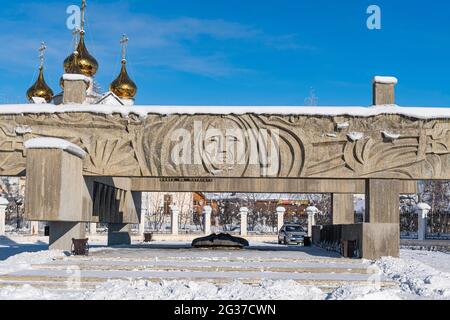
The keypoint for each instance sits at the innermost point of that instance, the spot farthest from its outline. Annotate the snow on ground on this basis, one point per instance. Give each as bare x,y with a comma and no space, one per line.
170,271
416,277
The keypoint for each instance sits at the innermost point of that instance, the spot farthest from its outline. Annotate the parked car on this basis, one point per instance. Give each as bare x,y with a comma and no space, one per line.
291,233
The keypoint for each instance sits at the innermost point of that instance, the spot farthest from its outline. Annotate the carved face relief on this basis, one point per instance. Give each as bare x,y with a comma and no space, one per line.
223,147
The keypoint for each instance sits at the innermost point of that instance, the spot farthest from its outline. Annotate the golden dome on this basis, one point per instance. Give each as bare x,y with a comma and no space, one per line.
40,88
87,63
73,68
123,86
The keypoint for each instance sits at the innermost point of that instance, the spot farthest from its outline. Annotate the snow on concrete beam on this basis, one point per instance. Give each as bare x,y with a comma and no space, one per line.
144,111
55,143
385,80
76,77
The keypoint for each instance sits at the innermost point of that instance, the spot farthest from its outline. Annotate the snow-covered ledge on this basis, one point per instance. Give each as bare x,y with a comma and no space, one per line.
385,80
76,77
55,143
143,111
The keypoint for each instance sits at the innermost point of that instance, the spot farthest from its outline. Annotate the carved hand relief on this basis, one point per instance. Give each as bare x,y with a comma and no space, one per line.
239,146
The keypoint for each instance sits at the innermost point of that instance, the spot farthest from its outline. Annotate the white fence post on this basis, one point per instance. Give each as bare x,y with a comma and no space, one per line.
3,205
280,218
244,221
422,210
311,211
93,228
207,210
175,215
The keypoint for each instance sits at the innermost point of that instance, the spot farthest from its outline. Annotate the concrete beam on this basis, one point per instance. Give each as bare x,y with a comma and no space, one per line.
274,185
343,209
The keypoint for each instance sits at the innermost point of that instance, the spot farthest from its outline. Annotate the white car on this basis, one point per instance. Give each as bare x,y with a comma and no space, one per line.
291,233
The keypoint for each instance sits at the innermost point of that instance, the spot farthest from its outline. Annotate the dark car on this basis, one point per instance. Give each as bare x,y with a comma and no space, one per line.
291,233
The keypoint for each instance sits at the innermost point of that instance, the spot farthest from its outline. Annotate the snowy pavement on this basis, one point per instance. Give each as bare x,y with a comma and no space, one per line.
175,271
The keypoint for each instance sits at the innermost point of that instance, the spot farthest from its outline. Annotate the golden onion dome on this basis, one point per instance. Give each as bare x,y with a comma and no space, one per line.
87,63
40,88
74,68
123,86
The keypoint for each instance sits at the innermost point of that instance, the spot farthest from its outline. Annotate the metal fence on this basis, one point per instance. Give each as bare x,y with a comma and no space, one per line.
438,224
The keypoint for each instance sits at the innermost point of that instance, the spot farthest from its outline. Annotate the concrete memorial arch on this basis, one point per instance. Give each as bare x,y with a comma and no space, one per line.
89,163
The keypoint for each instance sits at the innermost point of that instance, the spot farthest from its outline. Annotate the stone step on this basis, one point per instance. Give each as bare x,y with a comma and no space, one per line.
205,268
90,283
181,274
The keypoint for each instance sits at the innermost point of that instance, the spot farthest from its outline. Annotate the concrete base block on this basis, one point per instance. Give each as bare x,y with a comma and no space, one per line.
118,234
62,233
373,240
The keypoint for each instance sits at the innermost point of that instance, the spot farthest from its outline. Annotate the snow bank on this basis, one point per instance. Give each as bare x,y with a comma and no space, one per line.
364,293
55,143
25,260
418,278
144,111
172,290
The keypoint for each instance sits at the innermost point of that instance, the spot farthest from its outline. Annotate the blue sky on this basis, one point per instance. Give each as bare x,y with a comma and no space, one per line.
235,52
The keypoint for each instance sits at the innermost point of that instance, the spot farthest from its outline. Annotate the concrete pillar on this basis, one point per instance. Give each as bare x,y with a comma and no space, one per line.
382,217
175,216
3,205
280,217
422,210
75,90
93,228
34,228
343,209
118,234
384,90
62,233
311,211
207,210
244,221
382,201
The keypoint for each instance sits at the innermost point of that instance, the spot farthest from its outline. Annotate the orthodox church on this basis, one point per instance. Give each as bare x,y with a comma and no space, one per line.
81,65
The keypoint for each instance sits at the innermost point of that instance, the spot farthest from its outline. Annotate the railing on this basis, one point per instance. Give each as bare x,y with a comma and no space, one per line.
438,225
